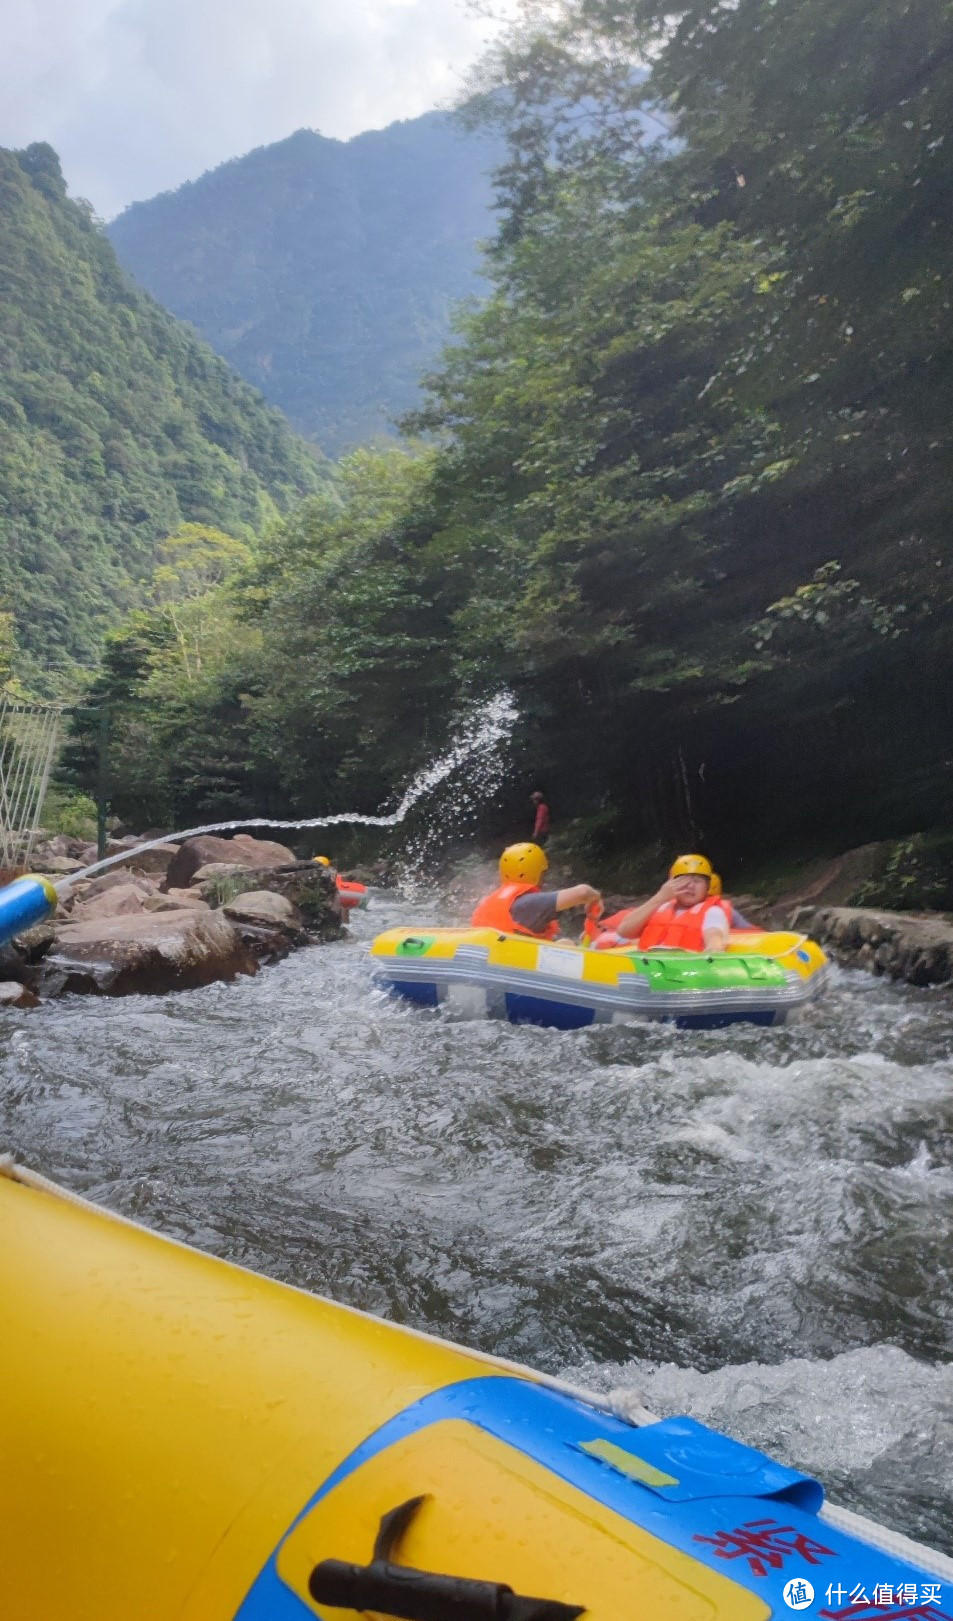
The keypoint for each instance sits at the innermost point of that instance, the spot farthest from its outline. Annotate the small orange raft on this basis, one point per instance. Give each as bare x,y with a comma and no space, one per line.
351,894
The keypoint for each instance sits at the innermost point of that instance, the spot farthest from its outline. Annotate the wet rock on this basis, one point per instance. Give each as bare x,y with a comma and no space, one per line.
64,844
911,946
269,926
210,878
174,899
91,888
242,849
156,862
33,944
310,889
14,995
55,865
119,900
18,957
261,906
144,954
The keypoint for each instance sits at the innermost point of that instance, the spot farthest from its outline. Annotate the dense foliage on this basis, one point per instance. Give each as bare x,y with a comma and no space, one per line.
324,271
312,675
694,463
117,424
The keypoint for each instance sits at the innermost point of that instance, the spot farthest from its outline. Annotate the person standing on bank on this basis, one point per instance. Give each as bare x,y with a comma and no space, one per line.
541,824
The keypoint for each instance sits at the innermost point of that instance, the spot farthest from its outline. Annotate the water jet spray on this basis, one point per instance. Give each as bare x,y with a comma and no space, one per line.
31,899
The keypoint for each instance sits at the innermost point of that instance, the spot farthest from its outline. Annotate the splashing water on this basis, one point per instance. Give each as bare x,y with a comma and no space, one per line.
476,743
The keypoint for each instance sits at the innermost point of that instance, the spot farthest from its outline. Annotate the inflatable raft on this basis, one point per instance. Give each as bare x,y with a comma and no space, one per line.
351,894
185,1439
761,979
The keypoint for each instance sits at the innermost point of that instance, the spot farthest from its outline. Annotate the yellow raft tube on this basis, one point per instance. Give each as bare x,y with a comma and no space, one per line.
185,1439
762,978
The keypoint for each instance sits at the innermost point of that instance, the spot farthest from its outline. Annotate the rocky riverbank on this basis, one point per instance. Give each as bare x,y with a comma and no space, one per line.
173,919
915,947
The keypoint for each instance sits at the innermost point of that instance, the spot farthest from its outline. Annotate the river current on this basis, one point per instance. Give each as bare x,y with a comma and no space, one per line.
752,1226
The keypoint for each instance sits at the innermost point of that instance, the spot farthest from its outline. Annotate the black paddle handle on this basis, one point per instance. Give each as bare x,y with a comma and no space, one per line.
423,1595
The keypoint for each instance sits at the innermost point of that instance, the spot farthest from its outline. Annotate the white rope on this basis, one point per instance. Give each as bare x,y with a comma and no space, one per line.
48,753
28,738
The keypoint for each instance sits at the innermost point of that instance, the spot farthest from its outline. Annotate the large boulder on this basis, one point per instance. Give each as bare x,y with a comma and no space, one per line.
242,849
310,889
268,924
218,876
55,866
88,889
174,898
144,954
118,900
261,906
156,861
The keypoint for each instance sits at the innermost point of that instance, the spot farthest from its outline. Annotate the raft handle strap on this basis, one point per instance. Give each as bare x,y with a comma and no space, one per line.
422,1595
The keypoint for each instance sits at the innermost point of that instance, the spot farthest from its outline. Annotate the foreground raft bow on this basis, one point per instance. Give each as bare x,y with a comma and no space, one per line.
761,979
186,1439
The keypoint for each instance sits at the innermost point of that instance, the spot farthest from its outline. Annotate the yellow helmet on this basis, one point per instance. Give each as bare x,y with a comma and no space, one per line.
690,867
522,864
715,886
323,860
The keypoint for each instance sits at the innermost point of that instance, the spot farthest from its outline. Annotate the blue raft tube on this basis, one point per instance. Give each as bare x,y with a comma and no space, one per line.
23,903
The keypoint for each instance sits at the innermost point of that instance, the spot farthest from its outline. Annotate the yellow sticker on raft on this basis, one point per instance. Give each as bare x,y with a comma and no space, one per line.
627,1463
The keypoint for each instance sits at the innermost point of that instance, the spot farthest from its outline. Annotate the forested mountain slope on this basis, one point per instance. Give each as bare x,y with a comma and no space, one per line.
692,492
118,424
325,271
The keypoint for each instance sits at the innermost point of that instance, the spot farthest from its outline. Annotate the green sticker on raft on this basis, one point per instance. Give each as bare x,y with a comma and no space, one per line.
627,1463
415,945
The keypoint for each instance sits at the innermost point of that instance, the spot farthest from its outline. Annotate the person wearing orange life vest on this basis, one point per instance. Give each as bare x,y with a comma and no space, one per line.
681,915
519,906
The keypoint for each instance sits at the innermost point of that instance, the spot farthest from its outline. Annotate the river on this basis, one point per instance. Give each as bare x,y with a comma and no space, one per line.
754,1226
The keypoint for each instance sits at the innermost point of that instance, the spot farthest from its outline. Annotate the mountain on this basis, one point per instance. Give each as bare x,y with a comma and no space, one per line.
118,423
325,271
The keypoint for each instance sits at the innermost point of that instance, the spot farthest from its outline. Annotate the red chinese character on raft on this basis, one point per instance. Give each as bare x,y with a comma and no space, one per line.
766,1544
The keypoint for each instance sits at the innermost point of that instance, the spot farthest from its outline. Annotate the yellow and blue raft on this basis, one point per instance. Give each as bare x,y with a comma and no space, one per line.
762,978
185,1439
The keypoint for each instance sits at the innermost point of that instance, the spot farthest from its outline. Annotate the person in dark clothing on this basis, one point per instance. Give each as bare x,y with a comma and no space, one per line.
541,824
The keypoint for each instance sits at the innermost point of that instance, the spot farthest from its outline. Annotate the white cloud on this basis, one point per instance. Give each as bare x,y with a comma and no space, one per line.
139,95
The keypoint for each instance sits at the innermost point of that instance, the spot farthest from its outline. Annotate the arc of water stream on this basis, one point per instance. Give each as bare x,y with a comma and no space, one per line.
481,734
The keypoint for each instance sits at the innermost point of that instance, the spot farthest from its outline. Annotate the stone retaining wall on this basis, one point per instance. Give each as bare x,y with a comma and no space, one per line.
915,947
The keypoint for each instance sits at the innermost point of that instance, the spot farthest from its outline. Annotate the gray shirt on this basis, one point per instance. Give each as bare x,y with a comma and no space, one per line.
535,912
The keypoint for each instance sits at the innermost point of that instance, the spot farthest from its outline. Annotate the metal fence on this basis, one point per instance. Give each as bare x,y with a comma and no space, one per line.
29,738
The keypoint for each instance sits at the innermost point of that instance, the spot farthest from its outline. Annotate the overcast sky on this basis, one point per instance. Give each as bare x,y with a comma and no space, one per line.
139,95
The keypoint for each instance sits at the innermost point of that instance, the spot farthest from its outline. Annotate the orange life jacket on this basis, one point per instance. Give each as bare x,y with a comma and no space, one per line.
493,912
350,892
678,928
